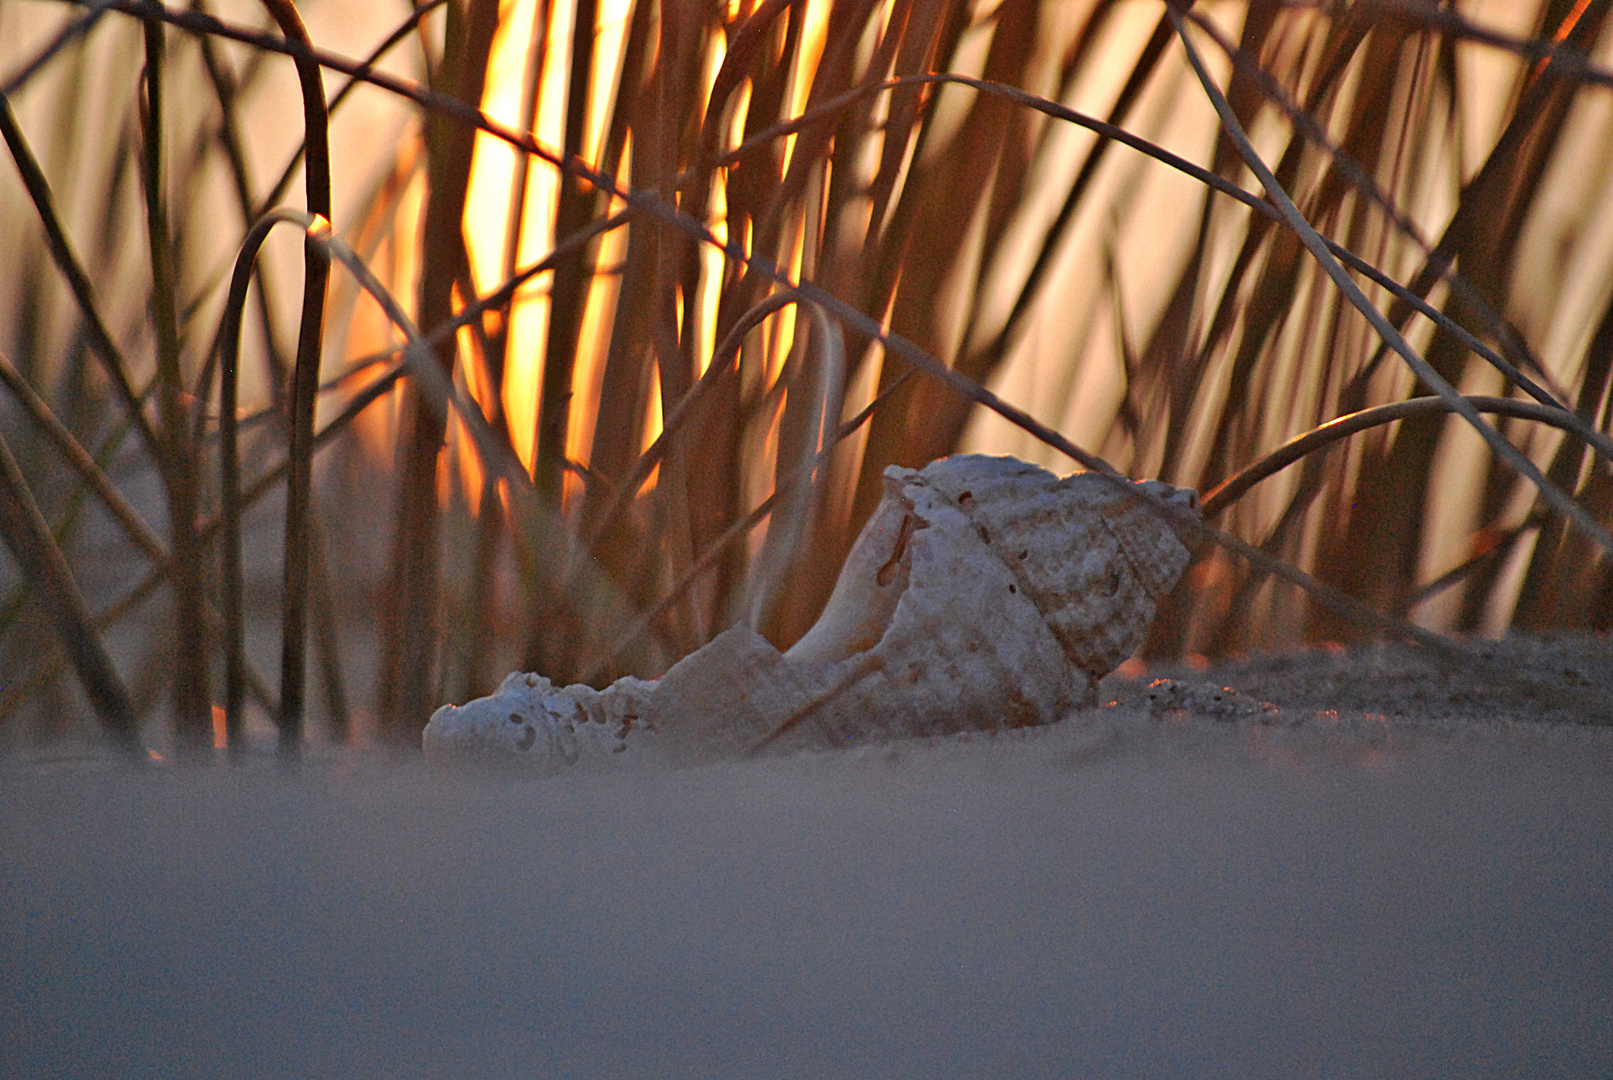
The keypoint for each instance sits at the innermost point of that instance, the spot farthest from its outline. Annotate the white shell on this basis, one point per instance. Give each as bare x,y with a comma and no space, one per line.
529,720
983,593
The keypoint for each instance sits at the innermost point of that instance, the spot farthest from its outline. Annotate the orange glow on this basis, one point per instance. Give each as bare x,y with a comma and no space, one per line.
814,34
470,466
474,366
1563,31
652,420
393,232
220,736
445,466
493,163
488,207
587,377
610,40
709,293
494,171
1132,669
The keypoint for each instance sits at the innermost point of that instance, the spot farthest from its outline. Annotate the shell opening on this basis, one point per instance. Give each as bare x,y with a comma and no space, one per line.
870,585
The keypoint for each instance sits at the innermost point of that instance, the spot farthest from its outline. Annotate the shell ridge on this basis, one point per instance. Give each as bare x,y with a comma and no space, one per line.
1153,584
1035,595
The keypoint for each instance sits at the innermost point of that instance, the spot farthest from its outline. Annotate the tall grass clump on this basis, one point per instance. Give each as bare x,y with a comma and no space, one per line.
469,336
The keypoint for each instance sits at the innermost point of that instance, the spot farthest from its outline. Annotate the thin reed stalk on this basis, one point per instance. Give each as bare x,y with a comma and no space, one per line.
412,625
304,383
28,537
191,705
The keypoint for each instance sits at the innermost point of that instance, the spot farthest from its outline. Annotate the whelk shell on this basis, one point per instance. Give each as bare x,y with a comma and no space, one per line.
983,593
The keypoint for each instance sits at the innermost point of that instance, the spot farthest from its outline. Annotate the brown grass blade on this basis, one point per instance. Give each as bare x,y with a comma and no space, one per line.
29,538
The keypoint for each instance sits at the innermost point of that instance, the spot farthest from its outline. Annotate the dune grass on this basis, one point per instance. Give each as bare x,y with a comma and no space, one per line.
633,302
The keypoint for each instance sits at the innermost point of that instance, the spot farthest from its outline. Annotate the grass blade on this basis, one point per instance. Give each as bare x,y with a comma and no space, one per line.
28,537
304,384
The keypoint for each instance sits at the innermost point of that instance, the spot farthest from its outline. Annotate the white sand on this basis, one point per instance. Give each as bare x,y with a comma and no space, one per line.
1124,894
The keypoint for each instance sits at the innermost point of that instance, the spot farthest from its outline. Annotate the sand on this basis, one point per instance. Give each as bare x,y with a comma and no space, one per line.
1398,871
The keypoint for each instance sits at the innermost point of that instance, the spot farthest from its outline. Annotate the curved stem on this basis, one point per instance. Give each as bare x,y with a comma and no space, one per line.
835,105
652,206
1235,487
304,382
229,348
1511,455
233,500
401,31
19,689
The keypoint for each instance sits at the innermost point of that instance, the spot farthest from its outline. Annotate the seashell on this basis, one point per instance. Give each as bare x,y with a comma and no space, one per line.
983,593
530,720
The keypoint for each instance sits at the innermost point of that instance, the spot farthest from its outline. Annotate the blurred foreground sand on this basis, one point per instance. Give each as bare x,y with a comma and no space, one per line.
1388,876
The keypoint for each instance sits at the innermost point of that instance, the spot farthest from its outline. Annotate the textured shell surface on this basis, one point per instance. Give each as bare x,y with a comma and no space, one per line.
1095,559
983,592
530,721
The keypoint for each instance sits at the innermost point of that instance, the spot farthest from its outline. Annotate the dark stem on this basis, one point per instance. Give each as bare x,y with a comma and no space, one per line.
193,721
231,503
304,385
28,536
412,627
67,261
